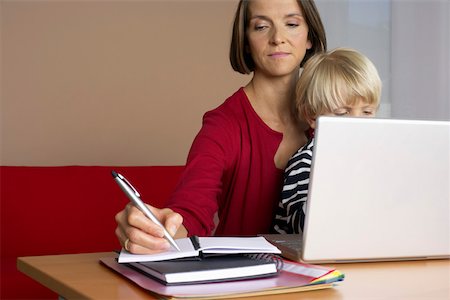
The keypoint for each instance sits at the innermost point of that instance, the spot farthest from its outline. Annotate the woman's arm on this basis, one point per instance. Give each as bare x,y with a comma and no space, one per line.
192,206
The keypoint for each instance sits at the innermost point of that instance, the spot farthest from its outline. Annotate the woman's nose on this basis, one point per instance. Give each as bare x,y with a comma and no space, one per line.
277,36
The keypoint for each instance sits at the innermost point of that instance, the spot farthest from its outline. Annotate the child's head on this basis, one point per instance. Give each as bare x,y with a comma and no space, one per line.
341,82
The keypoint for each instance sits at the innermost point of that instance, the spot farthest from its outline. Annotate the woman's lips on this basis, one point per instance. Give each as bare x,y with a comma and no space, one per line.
278,54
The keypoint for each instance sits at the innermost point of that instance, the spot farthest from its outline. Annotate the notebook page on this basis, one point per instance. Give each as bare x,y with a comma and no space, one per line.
229,245
185,244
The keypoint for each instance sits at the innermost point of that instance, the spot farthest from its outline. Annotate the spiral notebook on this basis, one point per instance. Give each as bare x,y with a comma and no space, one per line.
211,269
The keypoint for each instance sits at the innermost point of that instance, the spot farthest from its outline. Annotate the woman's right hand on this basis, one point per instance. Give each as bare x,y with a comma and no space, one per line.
139,235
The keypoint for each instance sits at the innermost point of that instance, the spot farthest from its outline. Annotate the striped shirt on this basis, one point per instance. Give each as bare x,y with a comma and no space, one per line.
290,213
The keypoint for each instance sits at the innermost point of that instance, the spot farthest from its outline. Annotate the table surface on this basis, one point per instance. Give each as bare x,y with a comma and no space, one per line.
82,276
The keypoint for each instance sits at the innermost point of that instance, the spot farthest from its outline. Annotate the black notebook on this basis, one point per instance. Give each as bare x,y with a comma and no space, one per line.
211,268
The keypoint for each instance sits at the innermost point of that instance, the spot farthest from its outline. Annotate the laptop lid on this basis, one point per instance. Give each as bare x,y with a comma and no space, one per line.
379,190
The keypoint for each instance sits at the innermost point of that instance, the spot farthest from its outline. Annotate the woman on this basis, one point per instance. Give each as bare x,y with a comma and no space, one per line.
233,176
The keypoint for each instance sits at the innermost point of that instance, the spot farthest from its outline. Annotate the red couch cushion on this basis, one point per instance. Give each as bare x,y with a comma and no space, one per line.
70,209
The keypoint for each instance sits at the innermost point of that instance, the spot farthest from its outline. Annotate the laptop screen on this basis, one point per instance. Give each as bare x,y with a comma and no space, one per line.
379,190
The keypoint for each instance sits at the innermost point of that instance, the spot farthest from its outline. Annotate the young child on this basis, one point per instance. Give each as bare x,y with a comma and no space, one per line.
342,82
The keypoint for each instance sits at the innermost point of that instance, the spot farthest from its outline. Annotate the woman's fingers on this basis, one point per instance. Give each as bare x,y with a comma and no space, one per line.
144,236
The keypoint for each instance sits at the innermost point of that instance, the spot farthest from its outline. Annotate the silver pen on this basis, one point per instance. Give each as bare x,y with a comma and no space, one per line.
134,197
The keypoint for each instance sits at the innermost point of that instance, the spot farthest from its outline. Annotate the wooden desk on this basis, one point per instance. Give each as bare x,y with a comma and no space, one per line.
82,276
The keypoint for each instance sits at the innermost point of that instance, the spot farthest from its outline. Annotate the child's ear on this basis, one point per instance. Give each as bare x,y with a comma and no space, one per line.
312,123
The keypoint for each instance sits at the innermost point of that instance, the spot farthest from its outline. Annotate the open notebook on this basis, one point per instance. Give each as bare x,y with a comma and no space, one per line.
199,246
379,190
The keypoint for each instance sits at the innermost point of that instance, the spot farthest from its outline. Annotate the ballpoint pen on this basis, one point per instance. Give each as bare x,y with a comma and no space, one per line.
134,197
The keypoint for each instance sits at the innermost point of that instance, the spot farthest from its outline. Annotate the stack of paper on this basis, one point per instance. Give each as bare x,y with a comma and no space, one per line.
295,277
239,280
208,259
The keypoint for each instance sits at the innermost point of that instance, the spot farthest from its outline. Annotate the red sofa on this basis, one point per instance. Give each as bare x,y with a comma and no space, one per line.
69,209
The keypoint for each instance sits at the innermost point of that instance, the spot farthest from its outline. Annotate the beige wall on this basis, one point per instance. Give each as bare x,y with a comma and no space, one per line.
110,82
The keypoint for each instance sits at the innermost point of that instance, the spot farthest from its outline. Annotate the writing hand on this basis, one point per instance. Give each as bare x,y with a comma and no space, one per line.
144,236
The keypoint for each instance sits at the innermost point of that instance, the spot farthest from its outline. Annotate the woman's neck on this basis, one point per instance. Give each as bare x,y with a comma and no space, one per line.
272,99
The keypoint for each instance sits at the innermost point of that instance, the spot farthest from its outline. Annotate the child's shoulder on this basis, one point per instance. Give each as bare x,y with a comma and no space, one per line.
305,149
302,157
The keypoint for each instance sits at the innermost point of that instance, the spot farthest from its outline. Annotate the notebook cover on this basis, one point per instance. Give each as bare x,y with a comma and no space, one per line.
210,269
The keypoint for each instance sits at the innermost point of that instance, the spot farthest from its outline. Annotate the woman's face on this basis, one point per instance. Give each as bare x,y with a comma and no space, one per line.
278,36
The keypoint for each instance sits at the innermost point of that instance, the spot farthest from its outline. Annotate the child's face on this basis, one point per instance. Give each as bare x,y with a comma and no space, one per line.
357,109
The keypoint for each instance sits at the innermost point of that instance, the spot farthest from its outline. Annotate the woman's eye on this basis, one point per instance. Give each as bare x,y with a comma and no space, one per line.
293,25
259,27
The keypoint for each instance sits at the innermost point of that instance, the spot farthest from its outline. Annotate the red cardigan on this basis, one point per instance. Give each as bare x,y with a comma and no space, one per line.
230,171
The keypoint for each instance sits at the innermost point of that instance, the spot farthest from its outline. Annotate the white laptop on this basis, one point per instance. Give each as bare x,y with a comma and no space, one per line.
379,191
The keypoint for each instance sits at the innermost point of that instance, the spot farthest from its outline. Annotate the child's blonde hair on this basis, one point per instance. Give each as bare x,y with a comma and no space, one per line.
334,79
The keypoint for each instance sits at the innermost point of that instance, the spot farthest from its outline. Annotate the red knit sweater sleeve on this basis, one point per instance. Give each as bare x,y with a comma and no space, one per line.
230,171
197,194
